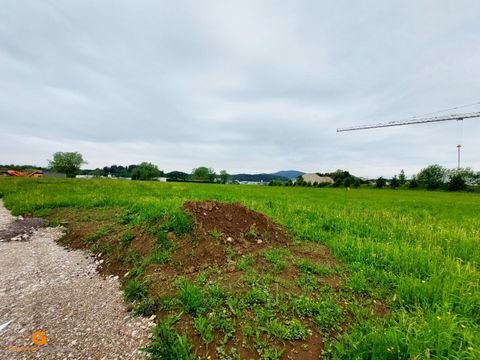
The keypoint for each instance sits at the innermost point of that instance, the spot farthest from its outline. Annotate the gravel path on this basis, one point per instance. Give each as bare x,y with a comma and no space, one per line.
44,287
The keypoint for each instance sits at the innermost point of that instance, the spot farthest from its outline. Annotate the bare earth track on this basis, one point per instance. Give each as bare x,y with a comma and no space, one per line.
44,287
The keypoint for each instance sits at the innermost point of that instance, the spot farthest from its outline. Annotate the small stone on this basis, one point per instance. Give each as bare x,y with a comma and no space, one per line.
259,241
231,267
229,239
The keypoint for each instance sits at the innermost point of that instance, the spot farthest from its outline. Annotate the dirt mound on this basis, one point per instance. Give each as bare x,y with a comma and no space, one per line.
234,224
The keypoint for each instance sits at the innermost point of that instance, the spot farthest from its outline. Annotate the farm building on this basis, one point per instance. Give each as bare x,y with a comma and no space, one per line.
315,178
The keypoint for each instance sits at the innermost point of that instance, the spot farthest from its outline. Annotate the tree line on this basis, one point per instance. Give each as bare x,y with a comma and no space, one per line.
435,177
432,177
69,163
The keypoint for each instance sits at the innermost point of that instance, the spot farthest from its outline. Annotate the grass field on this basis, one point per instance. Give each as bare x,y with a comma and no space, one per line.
415,252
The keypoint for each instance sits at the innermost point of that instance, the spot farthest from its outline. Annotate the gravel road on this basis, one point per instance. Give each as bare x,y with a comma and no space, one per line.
44,287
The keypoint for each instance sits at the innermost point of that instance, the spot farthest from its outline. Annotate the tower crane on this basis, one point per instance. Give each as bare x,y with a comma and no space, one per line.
458,117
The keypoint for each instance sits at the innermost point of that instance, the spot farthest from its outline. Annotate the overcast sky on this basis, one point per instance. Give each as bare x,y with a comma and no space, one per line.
246,86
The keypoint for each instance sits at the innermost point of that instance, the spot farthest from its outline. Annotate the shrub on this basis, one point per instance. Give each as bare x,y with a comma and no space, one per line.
380,183
456,183
145,171
432,177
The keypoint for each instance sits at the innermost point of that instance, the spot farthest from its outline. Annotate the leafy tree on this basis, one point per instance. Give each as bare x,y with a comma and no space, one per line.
97,172
460,178
299,181
381,182
338,182
413,183
395,182
470,177
432,177
145,171
349,181
356,183
402,179
457,182
67,162
203,173
224,176
177,175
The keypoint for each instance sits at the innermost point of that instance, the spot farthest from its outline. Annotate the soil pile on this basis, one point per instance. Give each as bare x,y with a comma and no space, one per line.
236,225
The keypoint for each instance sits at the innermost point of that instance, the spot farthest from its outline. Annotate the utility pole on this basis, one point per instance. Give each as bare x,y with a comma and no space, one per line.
458,161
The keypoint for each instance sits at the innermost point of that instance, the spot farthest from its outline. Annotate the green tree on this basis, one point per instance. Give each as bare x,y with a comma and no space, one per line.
338,182
67,162
402,179
432,177
457,183
395,182
356,183
460,178
224,176
145,171
203,173
97,172
299,181
412,184
177,175
381,182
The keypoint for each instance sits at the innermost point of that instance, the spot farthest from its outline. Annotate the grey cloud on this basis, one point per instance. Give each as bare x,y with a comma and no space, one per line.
246,86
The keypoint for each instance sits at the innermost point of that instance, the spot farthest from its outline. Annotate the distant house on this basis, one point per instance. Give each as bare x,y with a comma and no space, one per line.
315,178
261,182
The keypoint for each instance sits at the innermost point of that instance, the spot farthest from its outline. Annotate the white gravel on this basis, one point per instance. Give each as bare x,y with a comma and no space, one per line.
44,287
5,216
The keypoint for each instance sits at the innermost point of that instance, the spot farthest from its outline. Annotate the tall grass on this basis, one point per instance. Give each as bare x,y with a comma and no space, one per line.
418,251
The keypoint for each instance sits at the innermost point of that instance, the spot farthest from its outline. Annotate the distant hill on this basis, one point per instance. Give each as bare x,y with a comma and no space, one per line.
289,174
258,177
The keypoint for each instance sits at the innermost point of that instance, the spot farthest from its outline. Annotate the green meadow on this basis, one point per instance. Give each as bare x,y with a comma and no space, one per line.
416,252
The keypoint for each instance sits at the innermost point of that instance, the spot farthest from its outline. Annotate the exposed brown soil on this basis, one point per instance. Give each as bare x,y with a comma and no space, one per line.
223,235
236,225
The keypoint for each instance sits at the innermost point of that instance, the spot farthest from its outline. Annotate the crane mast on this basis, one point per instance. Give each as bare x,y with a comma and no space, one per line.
457,117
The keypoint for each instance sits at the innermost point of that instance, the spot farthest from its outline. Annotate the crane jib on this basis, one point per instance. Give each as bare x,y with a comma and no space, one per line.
457,117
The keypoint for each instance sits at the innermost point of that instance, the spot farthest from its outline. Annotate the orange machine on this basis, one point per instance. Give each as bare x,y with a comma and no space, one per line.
35,173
